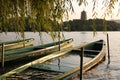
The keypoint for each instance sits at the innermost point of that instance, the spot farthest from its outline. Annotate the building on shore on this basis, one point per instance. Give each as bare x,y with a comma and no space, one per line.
83,15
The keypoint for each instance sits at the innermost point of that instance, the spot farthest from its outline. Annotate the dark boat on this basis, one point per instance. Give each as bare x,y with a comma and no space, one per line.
56,67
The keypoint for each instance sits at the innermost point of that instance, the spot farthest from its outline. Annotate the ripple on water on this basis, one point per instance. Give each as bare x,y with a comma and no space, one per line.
104,72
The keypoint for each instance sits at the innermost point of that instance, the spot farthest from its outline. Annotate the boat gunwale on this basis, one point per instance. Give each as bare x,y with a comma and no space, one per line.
16,41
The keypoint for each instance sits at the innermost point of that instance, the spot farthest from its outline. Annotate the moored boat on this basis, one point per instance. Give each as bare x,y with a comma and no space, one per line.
95,50
34,51
40,60
8,45
56,67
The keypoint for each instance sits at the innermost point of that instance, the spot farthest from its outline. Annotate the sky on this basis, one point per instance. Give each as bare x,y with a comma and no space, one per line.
99,9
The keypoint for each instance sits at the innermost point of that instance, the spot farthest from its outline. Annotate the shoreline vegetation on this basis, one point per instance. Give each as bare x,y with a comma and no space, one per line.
90,25
80,25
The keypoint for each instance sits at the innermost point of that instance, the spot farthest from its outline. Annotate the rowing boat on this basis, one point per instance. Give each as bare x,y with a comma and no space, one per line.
95,50
33,51
8,45
60,65
40,60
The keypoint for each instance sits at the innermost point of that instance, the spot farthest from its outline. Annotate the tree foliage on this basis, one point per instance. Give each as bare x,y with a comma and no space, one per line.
39,13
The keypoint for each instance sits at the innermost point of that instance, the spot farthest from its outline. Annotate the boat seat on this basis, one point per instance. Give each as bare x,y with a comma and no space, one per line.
98,43
91,50
51,67
86,50
37,48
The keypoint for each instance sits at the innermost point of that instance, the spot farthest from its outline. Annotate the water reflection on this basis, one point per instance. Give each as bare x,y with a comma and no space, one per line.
59,63
108,75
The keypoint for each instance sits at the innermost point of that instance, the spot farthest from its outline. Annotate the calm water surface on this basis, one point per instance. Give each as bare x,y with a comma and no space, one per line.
102,71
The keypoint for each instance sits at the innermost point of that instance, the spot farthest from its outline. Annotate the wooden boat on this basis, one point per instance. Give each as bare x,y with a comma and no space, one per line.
8,45
96,50
55,67
33,51
40,60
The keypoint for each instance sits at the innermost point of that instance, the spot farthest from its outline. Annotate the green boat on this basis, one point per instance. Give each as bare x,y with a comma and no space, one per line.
33,51
8,45
61,65
96,51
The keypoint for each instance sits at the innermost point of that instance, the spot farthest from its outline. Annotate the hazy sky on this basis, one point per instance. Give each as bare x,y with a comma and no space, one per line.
88,9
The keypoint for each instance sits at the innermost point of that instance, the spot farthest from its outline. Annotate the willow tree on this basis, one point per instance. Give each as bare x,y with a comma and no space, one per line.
41,14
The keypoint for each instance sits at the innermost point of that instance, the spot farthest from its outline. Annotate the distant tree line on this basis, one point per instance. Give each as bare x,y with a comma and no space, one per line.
74,25
88,25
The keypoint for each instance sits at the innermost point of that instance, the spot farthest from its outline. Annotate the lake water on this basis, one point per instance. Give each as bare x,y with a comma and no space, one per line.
100,72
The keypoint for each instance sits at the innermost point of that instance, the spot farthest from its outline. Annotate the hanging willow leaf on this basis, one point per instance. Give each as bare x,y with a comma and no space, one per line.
105,25
94,27
40,15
